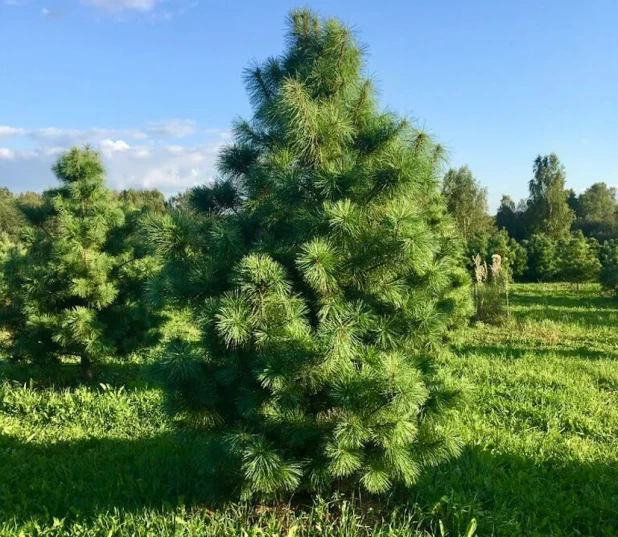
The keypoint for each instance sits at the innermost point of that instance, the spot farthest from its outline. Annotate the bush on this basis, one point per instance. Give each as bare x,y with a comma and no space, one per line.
324,275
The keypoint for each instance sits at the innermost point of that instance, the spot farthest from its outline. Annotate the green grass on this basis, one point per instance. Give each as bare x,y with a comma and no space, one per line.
540,457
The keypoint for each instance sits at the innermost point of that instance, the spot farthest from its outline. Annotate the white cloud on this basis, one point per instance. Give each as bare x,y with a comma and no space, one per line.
117,6
6,131
172,128
51,14
150,161
55,135
6,153
109,146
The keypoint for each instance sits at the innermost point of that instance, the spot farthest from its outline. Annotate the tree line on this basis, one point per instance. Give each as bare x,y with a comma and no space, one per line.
553,235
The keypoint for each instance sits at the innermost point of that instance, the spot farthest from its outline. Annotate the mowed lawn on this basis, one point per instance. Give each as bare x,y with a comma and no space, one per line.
539,428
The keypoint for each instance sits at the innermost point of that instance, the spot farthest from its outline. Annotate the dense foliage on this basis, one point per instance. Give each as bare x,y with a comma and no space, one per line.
548,211
64,291
323,273
466,201
609,266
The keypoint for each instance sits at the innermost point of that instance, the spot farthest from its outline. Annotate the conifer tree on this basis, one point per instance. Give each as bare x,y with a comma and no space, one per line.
579,261
132,323
324,274
542,257
510,251
56,286
608,276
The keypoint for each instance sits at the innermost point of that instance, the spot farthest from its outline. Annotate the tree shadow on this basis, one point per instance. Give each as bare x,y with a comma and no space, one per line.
511,494
512,352
95,475
581,300
89,477
67,375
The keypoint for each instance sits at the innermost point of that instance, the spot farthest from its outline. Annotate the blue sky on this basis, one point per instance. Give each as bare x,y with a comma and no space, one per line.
154,84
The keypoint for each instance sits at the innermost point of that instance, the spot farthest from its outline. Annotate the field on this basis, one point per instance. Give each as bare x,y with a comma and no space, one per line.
539,426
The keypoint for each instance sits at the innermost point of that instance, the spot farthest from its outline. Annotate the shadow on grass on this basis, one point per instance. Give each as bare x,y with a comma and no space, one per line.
90,476
85,478
516,352
514,495
67,375
573,299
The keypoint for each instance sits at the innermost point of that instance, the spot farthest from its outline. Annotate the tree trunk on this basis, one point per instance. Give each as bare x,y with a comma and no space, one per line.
85,368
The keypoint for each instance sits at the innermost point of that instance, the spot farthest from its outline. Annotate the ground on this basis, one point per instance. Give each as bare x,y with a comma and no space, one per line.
539,428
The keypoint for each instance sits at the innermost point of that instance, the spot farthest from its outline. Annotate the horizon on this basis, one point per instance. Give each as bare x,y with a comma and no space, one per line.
498,84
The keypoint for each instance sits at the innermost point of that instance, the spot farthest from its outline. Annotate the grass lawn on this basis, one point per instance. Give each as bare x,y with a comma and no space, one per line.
540,456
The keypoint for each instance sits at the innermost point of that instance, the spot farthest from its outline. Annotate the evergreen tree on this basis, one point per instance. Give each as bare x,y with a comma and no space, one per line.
542,258
511,253
511,218
573,202
466,201
132,323
324,274
548,211
579,261
519,258
57,286
608,276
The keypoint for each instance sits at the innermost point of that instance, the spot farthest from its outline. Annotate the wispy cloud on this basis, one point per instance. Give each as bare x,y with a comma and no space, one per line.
148,157
118,6
51,14
171,128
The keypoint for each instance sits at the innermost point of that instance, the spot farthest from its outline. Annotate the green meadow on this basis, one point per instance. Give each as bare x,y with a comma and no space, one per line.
539,430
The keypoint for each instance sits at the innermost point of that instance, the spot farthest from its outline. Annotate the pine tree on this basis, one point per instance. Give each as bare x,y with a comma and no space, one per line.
132,323
510,251
608,276
510,216
579,261
542,257
324,274
56,287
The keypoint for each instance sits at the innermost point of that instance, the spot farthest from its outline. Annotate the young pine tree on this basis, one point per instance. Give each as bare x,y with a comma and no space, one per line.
132,323
579,260
324,275
57,285
608,276
542,255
